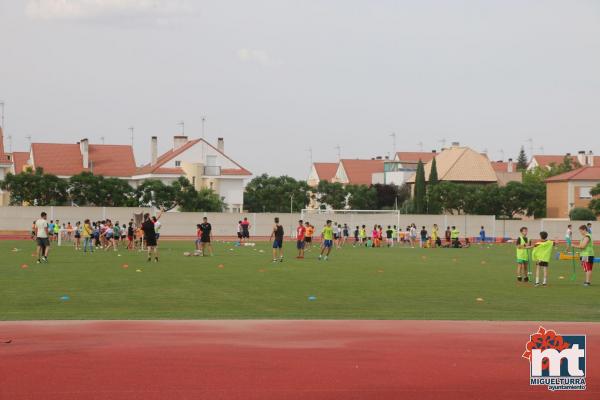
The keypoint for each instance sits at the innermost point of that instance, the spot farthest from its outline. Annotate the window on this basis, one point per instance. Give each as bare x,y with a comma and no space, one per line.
178,163
584,192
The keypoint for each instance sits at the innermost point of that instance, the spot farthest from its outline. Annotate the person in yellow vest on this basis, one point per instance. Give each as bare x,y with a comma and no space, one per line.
455,237
586,247
523,246
541,255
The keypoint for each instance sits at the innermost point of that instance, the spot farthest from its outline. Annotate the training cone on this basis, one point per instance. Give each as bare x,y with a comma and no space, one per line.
138,270
479,299
125,266
220,266
312,298
561,277
65,298
23,266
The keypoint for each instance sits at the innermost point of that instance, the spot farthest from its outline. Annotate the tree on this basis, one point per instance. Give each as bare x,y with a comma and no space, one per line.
267,193
420,189
390,197
522,160
332,194
189,199
362,197
154,193
36,188
433,203
582,214
595,203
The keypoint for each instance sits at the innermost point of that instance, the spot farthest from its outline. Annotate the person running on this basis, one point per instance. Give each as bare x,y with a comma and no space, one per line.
586,247
245,229
541,255
206,237
150,235
523,246
277,238
327,237
42,238
300,236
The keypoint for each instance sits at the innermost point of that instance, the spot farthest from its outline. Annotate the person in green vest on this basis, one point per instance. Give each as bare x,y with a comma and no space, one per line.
523,246
454,237
586,247
56,229
541,255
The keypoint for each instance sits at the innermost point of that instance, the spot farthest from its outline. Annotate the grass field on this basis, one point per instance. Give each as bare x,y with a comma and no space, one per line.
243,283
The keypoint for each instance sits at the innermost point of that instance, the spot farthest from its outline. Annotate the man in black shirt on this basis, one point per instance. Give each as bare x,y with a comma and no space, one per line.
150,235
206,228
277,234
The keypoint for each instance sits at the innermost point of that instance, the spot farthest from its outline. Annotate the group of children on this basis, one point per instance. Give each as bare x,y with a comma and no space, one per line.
541,254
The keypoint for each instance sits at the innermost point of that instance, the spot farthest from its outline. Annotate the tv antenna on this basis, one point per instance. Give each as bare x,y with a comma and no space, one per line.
2,114
131,129
9,143
102,139
310,155
443,142
420,144
393,135
203,122
182,124
339,152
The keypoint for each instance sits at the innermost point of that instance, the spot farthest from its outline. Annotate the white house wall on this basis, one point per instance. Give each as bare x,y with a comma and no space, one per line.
198,153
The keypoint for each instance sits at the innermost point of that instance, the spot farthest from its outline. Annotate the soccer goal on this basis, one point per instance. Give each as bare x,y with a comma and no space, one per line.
369,218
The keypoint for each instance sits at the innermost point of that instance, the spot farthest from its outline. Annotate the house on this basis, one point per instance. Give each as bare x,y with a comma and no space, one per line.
506,171
357,172
569,190
205,166
465,165
581,159
321,171
402,167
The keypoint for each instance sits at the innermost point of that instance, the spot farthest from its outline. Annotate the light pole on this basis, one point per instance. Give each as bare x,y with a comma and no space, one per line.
291,212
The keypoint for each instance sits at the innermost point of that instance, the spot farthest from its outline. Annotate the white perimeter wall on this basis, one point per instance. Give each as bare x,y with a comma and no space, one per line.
225,224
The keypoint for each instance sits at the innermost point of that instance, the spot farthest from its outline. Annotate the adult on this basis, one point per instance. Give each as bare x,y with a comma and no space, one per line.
150,235
300,236
42,238
277,237
245,229
206,236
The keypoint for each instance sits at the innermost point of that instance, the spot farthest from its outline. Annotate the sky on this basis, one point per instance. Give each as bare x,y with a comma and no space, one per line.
278,78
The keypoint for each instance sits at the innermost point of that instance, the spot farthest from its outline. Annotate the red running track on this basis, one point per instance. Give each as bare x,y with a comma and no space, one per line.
278,360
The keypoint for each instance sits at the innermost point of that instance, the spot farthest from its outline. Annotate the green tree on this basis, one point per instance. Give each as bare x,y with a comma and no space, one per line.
332,194
420,189
391,197
36,188
582,214
433,203
362,197
522,161
154,193
267,193
595,203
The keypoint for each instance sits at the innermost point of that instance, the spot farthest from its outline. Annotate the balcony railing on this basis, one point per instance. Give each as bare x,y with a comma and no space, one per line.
212,170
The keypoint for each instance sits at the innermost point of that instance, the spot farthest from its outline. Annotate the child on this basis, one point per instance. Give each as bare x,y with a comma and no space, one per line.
130,236
198,236
239,232
423,237
308,235
569,236
523,246
586,245
389,235
356,236
300,235
541,255
363,234
77,235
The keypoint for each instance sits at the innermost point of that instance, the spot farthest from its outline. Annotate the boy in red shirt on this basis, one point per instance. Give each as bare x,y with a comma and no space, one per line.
300,233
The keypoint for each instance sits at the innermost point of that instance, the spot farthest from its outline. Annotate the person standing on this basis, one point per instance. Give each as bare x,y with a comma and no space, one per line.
157,226
300,236
42,237
86,233
586,247
482,234
150,235
523,246
245,229
455,237
277,237
569,236
206,236
308,234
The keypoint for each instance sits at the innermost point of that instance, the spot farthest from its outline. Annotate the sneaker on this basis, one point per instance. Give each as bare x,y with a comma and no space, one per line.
281,260
544,284
38,261
586,284
149,259
537,284
526,279
45,259
155,259
519,278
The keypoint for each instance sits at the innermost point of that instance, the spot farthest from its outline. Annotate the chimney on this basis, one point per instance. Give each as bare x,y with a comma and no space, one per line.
590,158
434,151
153,150
581,158
221,145
510,167
455,144
179,141
85,152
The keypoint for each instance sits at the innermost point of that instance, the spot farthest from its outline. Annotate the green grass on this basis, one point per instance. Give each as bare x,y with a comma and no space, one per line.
356,283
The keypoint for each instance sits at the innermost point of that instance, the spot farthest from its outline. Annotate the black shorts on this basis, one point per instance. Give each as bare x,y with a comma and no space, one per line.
151,241
43,242
246,235
308,239
205,239
240,236
335,235
543,263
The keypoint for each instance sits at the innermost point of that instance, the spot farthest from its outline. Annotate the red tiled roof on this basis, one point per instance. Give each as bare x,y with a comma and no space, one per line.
20,159
579,174
169,155
415,156
502,166
66,159
546,161
326,170
360,172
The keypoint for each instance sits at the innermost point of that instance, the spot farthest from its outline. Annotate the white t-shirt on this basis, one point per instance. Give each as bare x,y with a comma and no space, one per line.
40,227
157,226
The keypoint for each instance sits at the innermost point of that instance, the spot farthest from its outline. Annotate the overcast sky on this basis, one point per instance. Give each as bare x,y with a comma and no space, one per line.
277,77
